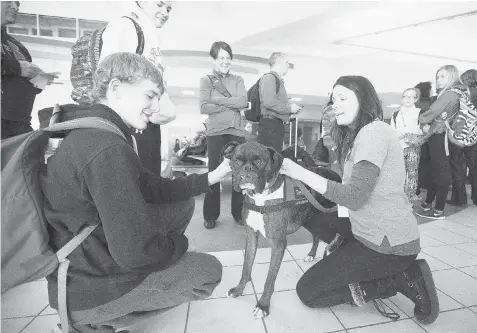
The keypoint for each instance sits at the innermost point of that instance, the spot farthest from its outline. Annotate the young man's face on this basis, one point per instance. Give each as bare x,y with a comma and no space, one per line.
158,12
135,103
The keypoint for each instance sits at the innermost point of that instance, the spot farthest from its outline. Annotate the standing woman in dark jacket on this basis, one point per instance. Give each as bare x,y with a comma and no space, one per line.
424,104
469,78
442,153
18,93
222,97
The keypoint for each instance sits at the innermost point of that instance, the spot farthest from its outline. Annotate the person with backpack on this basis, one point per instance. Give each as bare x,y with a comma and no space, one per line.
469,78
405,122
446,159
22,80
275,108
222,97
138,32
134,264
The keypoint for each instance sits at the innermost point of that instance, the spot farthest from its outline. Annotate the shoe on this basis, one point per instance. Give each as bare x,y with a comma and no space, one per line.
210,224
238,221
432,214
426,206
417,284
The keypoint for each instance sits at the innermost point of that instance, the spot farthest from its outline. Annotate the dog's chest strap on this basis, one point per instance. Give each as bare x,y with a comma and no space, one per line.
275,207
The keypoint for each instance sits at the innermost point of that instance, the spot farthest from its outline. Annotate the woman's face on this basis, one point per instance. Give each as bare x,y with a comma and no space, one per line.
345,105
223,62
408,98
442,78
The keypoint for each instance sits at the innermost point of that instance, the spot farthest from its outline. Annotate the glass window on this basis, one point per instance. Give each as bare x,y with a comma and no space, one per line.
51,25
26,20
87,26
16,30
67,33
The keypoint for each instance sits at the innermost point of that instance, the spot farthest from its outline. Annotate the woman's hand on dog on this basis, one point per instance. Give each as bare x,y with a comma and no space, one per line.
291,169
221,172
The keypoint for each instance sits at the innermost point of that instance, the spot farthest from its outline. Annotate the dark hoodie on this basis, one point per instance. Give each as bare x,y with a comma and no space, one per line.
95,177
442,109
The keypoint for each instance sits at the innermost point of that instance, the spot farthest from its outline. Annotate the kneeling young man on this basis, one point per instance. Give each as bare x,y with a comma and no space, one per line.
134,264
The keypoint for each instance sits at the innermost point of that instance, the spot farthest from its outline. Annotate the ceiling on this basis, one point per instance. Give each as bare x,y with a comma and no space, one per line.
395,44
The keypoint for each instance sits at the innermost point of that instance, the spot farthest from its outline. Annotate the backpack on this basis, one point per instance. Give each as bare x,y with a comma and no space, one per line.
25,253
464,126
86,53
253,96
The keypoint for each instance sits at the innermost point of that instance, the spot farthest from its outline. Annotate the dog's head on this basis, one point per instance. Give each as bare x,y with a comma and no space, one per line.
254,166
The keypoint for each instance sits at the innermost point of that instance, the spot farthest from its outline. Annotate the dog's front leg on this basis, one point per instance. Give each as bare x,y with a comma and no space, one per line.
251,245
263,306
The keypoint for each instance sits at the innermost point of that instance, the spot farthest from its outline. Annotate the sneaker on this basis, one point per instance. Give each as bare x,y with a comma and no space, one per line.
210,224
426,206
417,284
432,214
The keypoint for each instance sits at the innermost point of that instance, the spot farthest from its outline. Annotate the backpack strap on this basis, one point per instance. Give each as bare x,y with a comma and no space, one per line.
140,36
216,83
277,82
87,122
395,113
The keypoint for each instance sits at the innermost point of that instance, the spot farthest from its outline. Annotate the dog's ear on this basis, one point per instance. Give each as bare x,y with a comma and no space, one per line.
229,150
276,160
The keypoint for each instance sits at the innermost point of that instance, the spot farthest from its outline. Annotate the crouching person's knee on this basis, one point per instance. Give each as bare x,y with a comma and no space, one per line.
307,293
207,272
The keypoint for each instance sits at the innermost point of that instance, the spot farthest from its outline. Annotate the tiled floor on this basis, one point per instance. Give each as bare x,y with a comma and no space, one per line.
449,246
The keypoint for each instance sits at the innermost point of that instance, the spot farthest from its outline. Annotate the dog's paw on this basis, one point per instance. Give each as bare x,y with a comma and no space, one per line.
308,258
260,312
233,293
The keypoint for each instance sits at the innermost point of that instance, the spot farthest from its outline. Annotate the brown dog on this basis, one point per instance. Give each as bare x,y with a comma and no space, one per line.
255,171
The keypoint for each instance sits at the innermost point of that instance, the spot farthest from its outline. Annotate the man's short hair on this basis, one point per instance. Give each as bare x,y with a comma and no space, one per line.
469,78
274,57
126,67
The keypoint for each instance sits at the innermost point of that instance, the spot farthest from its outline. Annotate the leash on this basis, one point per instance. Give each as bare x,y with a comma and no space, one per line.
312,199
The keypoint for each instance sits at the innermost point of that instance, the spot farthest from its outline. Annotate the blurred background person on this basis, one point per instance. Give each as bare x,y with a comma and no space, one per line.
120,35
21,79
440,149
405,122
469,78
222,97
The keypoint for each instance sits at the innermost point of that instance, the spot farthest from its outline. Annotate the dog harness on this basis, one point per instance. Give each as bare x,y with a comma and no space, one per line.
296,194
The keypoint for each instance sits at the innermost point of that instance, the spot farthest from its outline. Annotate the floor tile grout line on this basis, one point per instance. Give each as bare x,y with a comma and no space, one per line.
187,318
339,320
472,240
475,278
38,315
452,298
430,255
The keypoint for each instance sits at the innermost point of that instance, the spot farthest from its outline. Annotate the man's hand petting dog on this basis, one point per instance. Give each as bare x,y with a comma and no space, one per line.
221,172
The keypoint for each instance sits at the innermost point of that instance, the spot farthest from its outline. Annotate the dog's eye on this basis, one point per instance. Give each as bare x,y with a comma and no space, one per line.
237,162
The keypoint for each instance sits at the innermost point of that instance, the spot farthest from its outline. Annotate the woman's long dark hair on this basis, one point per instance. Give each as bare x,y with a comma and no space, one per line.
370,109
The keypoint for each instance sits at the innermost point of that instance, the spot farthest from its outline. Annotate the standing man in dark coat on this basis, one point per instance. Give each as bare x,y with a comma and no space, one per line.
18,92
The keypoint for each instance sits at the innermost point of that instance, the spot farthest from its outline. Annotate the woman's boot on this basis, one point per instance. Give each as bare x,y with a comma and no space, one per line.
417,284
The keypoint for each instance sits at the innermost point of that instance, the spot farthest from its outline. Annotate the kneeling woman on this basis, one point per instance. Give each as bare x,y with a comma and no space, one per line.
380,260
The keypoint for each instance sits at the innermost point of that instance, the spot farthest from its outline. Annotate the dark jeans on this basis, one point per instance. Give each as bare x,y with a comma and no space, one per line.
193,277
13,128
440,171
211,209
459,174
271,133
423,174
470,154
326,283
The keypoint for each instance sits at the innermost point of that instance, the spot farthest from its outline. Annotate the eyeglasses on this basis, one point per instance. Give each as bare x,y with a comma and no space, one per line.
407,96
